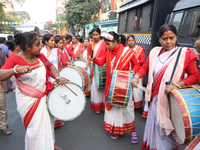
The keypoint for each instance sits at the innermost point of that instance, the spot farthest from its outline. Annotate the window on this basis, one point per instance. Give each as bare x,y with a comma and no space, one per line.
186,23
177,20
146,13
122,22
130,20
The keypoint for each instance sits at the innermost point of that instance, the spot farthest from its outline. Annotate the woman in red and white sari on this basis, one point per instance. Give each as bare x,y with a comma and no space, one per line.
159,65
63,55
117,119
138,93
53,55
96,49
75,47
31,70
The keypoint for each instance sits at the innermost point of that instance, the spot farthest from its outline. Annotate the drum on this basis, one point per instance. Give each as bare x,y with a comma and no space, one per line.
66,102
195,144
82,63
77,75
99,73
185,113
120,88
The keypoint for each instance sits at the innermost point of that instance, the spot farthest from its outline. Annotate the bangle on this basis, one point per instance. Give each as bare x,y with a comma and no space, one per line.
135,76
57,78
15,68
178,86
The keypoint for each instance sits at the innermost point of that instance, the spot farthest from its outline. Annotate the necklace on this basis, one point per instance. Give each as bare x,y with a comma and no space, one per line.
168,57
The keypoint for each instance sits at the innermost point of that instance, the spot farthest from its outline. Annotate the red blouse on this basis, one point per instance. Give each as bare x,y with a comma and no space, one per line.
135,65
18,60
71,54
141,58
189,68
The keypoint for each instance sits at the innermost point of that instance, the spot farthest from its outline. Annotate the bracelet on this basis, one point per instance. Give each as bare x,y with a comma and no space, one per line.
15,68
136,77
57,78
178,86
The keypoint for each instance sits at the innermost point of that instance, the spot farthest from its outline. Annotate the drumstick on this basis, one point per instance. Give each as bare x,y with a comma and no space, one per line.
141,87
70,90
44,64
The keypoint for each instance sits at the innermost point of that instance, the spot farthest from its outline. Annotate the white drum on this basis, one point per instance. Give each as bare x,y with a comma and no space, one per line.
82,63
66,102
76,75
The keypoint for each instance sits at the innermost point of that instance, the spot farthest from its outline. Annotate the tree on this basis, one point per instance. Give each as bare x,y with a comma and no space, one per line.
19,15
79,12
13,16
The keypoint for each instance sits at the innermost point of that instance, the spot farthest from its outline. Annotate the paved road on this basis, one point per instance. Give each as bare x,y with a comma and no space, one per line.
84,133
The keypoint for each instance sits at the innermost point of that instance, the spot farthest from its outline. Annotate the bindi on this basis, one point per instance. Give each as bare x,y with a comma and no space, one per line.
167,30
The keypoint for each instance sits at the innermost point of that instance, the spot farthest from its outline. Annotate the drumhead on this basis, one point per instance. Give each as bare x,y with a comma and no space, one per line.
82,64
64,104
73,74
176,117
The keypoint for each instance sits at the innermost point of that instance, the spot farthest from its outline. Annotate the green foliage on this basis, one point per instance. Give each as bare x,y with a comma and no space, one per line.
79,12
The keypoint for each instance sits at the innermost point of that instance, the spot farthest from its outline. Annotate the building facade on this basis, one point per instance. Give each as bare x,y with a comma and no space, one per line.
60,7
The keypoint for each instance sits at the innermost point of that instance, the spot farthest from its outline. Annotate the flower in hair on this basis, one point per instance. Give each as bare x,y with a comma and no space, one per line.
107,36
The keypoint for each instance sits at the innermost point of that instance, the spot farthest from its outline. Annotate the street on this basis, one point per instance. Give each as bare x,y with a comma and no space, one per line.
84,133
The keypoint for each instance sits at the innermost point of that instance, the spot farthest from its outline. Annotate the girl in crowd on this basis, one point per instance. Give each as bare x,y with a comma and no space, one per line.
75,47
13,47
96,48
63,56
53,55
117,119
31,70
83,51
68,50
138,93
64,40
159,66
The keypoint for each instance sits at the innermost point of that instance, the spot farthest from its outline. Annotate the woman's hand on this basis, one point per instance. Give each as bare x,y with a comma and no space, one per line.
135,81
23,69
70,63
170,87
61,80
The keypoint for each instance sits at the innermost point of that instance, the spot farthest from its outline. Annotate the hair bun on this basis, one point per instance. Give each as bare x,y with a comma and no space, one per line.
17,37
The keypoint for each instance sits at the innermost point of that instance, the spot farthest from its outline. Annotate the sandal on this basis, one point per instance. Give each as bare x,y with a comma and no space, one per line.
6,131
114,136
134,138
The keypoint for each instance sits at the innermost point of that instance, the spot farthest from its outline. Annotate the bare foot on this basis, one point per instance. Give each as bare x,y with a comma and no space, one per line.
57,148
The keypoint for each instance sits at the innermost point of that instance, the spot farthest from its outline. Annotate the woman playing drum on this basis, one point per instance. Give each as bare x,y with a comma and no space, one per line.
117,120
159,65
31,70
98,46
137,93
53,55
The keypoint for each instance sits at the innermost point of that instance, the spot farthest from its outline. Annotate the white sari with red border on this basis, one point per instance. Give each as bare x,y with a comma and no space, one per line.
97,95
39,133
153,138
119,120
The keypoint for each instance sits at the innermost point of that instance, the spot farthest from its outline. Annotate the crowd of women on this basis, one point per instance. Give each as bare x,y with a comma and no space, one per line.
34,63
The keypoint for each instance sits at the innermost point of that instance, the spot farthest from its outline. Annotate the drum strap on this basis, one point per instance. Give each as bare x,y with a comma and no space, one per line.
179,53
